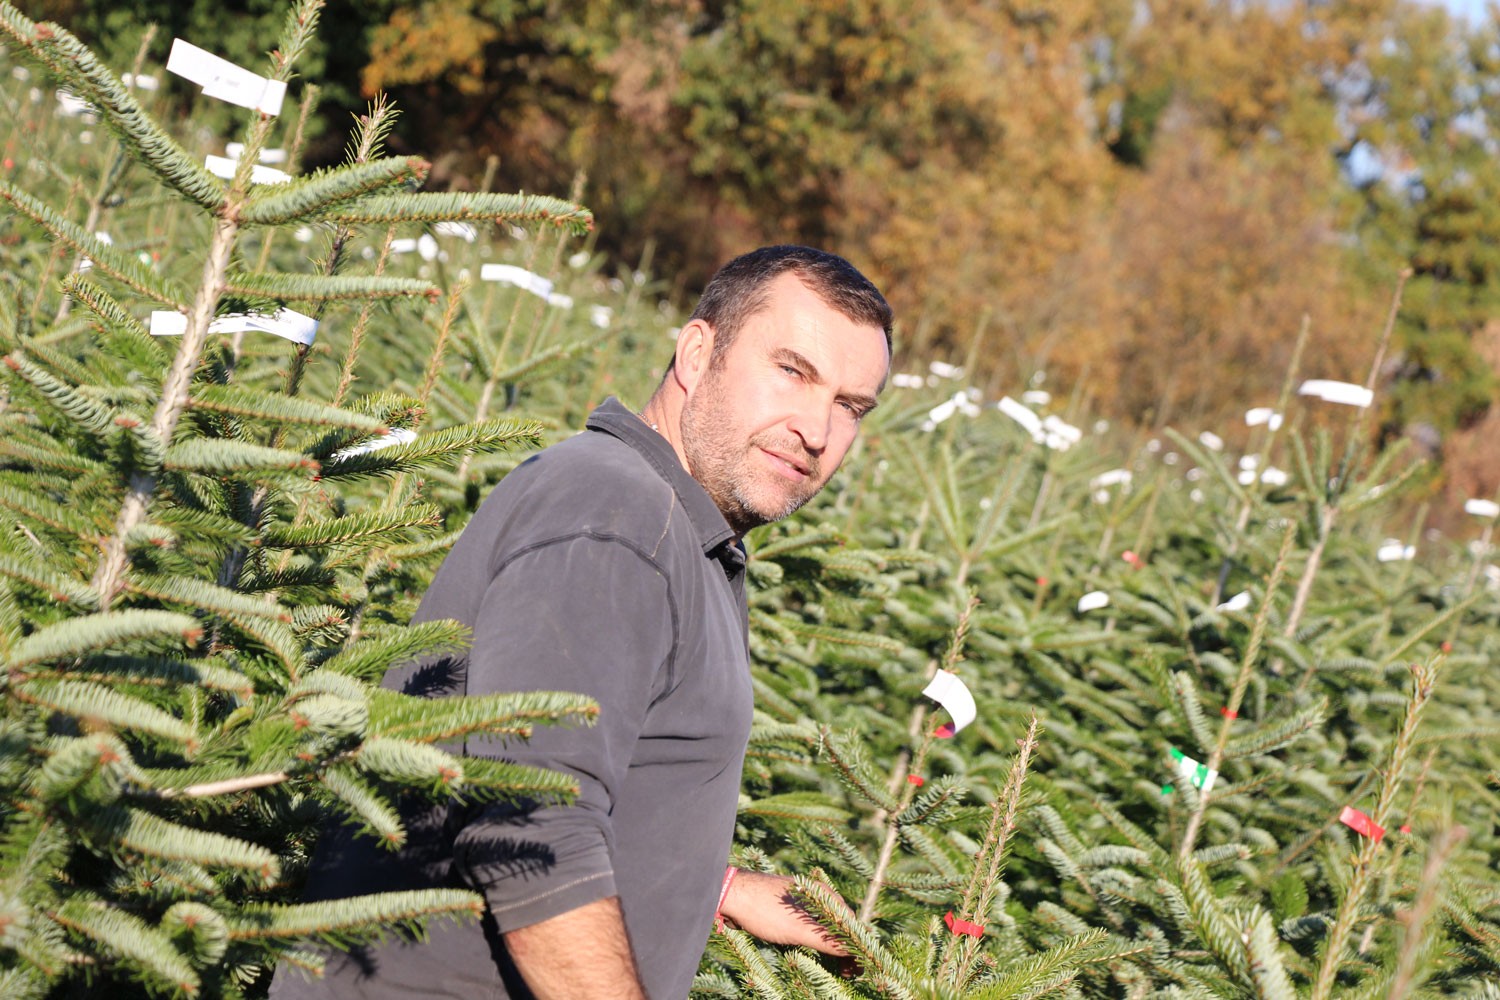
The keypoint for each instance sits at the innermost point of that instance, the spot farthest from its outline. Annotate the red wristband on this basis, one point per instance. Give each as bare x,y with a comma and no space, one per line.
723,895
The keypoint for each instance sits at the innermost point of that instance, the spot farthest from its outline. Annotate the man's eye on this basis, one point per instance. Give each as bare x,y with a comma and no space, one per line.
790,371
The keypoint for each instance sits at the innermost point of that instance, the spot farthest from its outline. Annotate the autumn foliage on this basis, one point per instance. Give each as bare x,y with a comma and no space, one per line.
1142,200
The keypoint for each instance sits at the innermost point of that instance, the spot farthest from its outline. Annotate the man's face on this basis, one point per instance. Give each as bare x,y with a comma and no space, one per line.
770,421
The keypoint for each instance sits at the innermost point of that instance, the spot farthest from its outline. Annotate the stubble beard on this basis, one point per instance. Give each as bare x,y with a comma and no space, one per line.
727,467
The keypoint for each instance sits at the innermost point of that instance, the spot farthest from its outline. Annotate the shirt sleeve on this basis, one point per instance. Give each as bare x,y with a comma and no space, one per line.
591,615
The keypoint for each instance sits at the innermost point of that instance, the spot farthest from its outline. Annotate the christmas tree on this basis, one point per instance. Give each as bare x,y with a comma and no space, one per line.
207,567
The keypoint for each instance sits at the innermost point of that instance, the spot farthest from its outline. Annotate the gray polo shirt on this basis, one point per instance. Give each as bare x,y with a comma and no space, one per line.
597,566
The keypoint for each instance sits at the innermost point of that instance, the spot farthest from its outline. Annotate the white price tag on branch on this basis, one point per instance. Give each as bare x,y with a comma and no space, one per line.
224,80
223,167
1093,601
285,323
401,435
1239,602
948,690
1330,391
1263,415
1394,551
1482,508
1020,414
509,274
236,150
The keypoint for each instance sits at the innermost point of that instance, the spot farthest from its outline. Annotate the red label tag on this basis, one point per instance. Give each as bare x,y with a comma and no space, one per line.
1405,828
1229,713
1360,823
958,926
945,731
915,779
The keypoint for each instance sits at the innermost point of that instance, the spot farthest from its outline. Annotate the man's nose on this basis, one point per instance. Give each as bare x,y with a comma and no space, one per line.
811,423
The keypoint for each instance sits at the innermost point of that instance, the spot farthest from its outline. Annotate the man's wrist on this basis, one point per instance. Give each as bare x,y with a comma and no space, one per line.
729,873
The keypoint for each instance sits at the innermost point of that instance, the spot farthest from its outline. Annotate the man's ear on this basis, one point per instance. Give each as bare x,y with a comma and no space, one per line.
695,348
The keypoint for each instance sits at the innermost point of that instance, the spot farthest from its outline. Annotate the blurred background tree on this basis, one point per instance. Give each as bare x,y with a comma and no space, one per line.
1089,180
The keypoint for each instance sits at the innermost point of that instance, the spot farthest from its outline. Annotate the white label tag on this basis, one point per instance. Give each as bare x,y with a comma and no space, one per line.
1020,414
463,230
224,80
1200,775
1239,602
1093,601
223,167
1393,551
236,150
1482,508
948,690
286,323
509,274
401,435
1262,415
1330,391
70,106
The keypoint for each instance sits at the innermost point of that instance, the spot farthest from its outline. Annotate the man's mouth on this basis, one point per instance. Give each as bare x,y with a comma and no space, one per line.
792,466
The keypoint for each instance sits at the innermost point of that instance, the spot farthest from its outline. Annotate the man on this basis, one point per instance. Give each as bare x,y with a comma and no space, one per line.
611,565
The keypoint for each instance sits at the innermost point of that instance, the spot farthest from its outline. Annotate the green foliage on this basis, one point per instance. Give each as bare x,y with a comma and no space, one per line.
193,622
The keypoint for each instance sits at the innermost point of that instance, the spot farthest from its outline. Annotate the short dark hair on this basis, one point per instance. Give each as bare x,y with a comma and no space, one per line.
739,290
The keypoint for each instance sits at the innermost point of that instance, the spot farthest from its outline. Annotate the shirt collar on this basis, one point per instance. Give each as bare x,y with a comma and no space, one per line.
613,418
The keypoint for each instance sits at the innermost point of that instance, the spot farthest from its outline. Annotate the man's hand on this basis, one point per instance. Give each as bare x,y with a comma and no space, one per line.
580,953
764,906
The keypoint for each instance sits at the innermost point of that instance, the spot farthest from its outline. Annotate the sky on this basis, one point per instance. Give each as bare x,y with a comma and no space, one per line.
1472,9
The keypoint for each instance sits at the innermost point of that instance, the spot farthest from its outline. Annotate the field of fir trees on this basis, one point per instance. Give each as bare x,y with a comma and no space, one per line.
1058,708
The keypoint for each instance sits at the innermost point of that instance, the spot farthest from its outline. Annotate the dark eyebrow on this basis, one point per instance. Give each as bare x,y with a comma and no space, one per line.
785,355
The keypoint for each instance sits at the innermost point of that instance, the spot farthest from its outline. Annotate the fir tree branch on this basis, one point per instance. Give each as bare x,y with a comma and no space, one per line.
109,259
126,938
857,936
218,456
97,704
377,652
452,206
59,588
375,815
152,836
853,768
1424,680
984,879
355,527
71,60
1052,970
255,404
510,714
42,510
92,633
1414,921
325,287
67,401
344,922
310,198
1241,684
499,433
